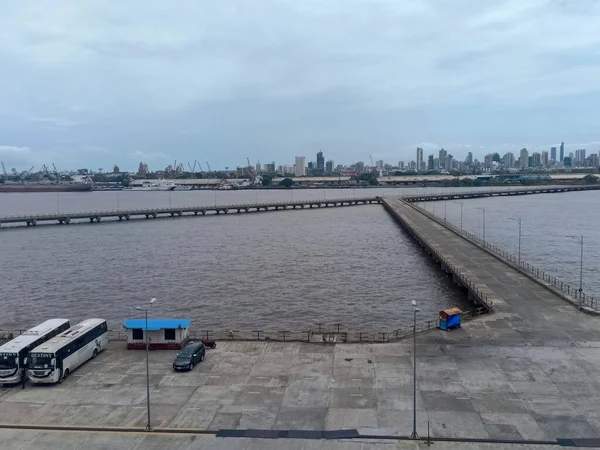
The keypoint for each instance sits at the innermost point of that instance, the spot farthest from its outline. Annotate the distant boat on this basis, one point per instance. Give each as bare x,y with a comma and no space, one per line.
159,185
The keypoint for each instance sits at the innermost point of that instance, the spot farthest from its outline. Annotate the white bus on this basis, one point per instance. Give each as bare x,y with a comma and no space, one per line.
14,354
54,360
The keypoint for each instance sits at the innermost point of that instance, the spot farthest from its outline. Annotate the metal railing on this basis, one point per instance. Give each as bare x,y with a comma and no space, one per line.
333,333
536,272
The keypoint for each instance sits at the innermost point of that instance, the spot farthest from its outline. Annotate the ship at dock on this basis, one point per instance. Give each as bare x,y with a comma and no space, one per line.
64,186
43,181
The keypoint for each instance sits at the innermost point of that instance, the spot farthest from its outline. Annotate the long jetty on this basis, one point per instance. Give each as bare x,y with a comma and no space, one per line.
492,281
153,213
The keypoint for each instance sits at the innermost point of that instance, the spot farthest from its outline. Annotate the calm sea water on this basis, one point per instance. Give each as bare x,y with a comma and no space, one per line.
277,270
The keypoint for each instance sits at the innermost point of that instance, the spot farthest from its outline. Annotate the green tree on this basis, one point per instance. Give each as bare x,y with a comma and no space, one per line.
455,182
267,180
590,179
286,182
477,182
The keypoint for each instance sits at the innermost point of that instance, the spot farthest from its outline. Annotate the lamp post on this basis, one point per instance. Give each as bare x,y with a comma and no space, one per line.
483,209
519,219
148,425
461,215
414,434
445,201
580,266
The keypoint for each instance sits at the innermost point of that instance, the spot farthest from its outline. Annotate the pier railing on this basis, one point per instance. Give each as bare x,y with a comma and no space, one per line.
536,272
317,333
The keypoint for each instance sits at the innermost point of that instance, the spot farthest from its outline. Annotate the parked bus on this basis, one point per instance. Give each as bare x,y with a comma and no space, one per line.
14,354
54,360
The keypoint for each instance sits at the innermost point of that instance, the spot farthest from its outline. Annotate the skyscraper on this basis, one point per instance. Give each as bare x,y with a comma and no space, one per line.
536,159
442,156
320,163
419,164
430,162
524,158
329,166
562,151
580,157
545,158
553,153
509,160
300,167
469,159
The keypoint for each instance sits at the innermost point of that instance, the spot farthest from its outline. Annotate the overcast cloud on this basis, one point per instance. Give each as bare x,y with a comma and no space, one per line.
93,83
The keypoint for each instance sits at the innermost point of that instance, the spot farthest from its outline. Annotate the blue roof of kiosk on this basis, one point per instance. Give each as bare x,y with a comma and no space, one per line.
157,324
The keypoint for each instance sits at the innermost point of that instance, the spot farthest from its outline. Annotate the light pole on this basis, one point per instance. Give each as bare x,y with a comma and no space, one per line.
414,434
580,266
445,201
148,425
483,209
461,215
519,219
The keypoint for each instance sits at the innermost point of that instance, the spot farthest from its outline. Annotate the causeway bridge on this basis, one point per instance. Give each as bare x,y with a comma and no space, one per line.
153,213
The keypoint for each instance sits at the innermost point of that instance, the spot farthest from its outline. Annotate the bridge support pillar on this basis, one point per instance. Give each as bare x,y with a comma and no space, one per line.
98,218
127,217
91,219
203,212
179,213
195,213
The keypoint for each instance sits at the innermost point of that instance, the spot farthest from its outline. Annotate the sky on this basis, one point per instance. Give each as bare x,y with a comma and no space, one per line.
97,83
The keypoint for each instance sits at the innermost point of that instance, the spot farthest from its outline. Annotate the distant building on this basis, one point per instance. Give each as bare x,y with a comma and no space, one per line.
593,160
488,160
545,160
401,165
270,168
442,156
430,165
469,159
553,153
379,164
300,166
419,162
567,161
536,159
320,163
524,158
436,163
580,157
449,162
258,168
562,152
360,167
329,166
509,160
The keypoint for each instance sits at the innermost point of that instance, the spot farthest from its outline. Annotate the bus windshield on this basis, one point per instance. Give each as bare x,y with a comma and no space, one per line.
41,360
8,361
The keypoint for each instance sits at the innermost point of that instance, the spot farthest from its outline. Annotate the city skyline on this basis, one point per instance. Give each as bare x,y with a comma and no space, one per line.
94,84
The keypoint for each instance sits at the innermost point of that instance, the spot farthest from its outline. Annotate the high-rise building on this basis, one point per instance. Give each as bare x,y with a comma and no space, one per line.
258,167
593,160
562,151
320,163
379,164
329,166
509,160
300,166
419,162
430,162
360,167
553,153
545,158
524,158
536,159
469,159
401,165
270,168
449,162
488,160
442,156
436,163
580,157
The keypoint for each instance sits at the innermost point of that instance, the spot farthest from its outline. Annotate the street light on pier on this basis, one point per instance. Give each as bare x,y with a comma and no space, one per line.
580,238
483,209
145,309
519,219
414,434
461,215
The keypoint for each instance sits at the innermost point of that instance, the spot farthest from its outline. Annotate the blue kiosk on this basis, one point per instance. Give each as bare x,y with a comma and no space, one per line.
450,318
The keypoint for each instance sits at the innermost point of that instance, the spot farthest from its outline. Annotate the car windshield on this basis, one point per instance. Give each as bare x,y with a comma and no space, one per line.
8,361
41,361
187,352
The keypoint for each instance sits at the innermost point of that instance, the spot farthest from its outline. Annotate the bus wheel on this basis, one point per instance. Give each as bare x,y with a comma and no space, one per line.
95,353
66,375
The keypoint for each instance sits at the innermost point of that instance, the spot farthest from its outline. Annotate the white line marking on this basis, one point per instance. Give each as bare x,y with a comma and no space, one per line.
355,395
253,392
263,378
355,379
